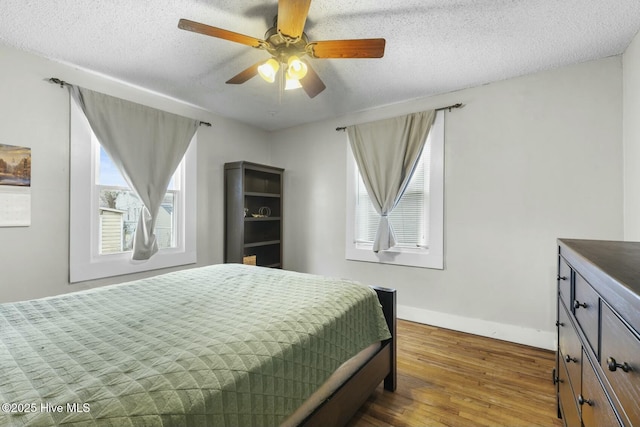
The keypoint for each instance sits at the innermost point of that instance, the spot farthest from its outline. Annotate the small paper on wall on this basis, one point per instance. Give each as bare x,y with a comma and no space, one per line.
15,186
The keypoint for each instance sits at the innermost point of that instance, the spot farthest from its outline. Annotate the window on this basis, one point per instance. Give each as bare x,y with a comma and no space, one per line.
104,212
417,220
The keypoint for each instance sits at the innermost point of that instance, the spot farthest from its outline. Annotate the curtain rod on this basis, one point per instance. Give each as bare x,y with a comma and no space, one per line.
62,83
458,105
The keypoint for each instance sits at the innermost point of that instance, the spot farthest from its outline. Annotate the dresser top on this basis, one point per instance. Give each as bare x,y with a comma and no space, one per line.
619,260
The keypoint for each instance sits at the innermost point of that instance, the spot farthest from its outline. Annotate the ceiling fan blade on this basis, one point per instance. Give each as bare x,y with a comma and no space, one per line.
208,30
245,75
292,15
311,83
359,48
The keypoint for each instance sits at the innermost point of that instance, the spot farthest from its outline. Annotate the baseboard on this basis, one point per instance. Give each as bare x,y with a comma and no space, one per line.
501,331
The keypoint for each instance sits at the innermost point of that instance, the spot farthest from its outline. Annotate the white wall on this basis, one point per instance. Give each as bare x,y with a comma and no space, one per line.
631,138
528,160
34,260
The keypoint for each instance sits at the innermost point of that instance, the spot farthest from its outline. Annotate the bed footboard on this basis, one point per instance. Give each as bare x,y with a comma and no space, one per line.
338,409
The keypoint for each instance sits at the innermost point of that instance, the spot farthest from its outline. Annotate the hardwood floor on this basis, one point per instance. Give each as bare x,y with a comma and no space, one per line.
449,378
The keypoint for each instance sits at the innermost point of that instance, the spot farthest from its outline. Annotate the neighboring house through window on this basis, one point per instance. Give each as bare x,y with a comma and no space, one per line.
104,212
417,220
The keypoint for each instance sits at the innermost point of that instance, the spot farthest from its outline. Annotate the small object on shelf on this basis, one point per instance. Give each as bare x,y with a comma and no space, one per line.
246,211
249,260
264,211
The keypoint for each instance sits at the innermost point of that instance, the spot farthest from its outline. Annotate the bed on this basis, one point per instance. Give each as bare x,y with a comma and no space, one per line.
222,345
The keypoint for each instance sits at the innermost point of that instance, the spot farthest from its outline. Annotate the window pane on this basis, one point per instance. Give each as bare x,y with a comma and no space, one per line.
165,221
110,175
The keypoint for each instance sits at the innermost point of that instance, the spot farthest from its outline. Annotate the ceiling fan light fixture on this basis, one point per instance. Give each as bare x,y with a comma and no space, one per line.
292,84
268,70
296,69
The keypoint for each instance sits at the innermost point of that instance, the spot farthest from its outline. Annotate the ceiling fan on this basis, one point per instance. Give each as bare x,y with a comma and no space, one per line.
287,43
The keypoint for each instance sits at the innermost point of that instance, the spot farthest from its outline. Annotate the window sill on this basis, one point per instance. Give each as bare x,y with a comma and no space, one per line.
423,258
120,264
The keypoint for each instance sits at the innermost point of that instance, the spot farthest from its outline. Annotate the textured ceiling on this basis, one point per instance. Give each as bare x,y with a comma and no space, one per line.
432,47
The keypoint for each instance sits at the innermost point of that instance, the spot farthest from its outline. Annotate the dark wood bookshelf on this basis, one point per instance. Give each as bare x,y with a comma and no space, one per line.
253,189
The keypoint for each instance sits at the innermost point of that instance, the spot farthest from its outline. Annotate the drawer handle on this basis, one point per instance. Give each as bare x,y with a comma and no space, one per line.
582,401
577,304
613,365
555,378
570,359
562,277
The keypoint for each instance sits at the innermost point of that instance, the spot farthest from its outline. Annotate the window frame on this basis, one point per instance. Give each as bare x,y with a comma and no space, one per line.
85,260
431,256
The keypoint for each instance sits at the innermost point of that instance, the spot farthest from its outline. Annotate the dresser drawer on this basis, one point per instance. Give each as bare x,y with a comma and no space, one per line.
586,307
568,402
620,362
570,348
564,281
596,409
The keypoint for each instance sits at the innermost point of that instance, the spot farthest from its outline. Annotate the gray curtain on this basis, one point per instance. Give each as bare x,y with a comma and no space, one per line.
146,145
386,152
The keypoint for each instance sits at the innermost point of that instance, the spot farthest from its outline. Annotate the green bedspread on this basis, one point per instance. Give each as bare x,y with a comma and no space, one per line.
224,345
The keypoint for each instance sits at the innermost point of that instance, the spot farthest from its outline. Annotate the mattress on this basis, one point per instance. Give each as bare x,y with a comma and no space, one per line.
223,345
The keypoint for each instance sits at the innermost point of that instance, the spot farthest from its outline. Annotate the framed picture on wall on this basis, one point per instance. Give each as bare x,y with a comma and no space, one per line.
15,186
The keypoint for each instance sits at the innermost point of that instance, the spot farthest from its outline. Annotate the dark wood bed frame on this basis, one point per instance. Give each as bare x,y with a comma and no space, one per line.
340,407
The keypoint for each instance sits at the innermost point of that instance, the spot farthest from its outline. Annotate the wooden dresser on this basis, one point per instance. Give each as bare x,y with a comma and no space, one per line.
598,358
